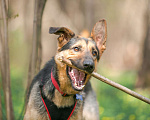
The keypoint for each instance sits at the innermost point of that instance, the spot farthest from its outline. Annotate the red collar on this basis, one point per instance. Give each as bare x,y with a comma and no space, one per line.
56,84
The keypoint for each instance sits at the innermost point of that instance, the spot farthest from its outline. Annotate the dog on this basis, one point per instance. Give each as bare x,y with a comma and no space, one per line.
60,92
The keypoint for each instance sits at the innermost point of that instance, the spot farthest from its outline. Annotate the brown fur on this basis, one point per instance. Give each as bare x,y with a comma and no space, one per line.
65,84
83,110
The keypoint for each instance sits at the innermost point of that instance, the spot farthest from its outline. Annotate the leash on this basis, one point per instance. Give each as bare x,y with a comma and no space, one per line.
63,94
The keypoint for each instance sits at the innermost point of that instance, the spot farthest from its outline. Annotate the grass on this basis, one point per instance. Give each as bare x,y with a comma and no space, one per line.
113,103
17,91
117,105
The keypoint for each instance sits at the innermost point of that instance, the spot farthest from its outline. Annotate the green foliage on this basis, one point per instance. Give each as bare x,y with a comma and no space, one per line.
117,105
17,92
113,103
18,65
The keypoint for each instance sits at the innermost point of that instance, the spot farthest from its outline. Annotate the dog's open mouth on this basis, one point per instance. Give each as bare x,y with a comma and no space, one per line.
77,78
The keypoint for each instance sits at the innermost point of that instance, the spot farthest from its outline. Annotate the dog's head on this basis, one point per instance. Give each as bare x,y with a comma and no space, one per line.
84,53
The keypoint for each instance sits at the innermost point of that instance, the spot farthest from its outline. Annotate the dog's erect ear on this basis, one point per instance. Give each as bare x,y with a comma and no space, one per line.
65,35
99,34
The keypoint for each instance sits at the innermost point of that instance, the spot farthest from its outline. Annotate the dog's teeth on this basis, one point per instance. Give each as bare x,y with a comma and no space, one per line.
79,84
72,71
74,79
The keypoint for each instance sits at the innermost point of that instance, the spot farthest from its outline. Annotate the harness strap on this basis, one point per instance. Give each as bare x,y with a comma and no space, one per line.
49,113
46,108
72,110
63,94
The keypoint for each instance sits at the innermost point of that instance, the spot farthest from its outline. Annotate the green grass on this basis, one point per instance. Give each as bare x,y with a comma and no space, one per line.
117,105
113,103
18,93
18,49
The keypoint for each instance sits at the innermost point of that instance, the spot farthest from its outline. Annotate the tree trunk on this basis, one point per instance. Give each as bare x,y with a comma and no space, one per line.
0,106
6,67
2,72
144,72
36,54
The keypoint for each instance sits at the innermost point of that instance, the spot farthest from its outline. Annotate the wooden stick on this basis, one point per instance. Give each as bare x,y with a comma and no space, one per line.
109,82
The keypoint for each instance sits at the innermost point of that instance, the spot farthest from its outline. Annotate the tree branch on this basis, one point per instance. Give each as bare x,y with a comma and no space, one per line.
109,82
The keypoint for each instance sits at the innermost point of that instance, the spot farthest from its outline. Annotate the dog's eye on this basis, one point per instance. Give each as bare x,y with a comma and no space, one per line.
76,49
94,53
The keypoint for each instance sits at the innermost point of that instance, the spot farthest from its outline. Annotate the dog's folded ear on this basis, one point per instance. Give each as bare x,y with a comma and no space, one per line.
61,30
99,35
65,35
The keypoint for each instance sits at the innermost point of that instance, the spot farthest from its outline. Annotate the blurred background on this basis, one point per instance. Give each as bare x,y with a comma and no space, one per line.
126,59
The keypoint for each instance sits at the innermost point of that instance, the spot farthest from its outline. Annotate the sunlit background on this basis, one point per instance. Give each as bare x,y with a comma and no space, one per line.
121,62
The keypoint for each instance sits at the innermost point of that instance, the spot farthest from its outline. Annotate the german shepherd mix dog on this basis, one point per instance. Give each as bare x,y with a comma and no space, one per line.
60,92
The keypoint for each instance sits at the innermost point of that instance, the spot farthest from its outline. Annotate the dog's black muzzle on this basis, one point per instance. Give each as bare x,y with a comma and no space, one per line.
88,65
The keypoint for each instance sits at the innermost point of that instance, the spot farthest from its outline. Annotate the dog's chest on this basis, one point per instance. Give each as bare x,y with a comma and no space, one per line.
64,113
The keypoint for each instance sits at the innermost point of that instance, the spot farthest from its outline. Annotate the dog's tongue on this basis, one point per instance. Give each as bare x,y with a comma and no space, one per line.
79,76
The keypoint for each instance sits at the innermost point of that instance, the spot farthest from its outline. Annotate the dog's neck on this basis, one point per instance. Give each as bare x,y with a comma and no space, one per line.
56,85
59,99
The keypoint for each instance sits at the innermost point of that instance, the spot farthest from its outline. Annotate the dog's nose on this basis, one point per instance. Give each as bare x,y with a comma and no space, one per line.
89,65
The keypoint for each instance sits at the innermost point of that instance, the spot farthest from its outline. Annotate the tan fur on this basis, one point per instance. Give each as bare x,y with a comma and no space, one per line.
65,84
98,34
64,81
61,101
